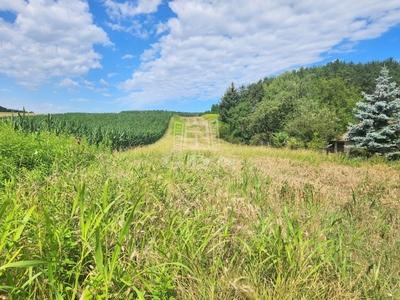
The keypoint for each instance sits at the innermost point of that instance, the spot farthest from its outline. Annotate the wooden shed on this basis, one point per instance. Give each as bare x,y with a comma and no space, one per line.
339,144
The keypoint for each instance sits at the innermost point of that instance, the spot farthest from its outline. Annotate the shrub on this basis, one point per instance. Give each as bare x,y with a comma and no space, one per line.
279,139
45,152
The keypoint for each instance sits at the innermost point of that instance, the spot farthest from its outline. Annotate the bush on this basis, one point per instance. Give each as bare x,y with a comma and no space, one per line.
259,139
279,139
393,156
294,144
355,152
223,130
45,152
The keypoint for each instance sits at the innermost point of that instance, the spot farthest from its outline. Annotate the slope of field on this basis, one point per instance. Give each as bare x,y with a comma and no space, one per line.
9,114
186,219
121,130
4,110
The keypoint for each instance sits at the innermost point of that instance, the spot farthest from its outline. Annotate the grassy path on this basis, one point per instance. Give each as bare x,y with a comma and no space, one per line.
328,200
333,178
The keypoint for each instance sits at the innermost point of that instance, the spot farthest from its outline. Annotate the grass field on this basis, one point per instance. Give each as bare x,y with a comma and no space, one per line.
9,114
235,223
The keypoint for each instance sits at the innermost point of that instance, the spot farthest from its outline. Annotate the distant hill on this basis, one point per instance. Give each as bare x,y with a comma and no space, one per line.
3,109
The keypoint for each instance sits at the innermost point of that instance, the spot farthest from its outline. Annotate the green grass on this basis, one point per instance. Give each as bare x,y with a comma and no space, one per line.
121,130
238,223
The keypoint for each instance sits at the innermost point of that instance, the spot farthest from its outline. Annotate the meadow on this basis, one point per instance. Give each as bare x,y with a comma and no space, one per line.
80,221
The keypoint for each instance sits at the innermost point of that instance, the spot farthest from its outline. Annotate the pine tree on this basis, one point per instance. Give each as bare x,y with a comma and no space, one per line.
228,101
378,129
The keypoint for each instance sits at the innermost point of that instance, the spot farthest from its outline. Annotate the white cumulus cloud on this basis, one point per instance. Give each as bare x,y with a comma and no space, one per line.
131,8
134,17
127,56
211,43
48,39
103,82
68,82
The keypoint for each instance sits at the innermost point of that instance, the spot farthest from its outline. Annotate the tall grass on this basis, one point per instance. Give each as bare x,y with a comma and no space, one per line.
156,224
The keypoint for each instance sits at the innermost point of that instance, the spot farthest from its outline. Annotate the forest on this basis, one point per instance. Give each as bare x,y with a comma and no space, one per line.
3,109
304,108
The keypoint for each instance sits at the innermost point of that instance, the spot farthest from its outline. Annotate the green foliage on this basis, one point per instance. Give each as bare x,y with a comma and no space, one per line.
239,130
278,103
253,93
259,139
3,109
224,131
294,144
228,102
123,130
361,76
340,98
214,109
377,129
313,124
323,95
279,139
271,115
45,153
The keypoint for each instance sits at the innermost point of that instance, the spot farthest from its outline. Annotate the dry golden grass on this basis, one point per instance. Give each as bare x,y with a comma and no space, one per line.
6,114
365,191
333,181
9,114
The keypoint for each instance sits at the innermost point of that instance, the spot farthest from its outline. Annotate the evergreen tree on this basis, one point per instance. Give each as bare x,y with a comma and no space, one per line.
377,129
228,101
214,109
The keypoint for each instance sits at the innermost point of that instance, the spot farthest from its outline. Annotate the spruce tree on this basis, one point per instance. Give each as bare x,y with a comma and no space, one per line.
228,101
377,129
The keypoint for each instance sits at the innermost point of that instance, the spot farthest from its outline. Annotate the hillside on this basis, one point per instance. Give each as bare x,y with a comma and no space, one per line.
304,108
3,109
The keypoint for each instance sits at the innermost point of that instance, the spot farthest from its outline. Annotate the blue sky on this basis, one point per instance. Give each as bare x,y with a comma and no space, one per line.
114,55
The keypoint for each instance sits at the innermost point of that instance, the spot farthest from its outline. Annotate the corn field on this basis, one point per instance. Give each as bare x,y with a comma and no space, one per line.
121,130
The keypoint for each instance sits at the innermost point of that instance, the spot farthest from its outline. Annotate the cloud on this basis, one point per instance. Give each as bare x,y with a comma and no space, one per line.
161,27
212,43
133,17
123,10
127,56
139,28
103,82
116,27
101,90
109,75
48,39
87,82
80,100
67,82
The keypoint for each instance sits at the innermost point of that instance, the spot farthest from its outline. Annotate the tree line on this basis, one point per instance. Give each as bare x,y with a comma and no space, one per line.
304,108
3,109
